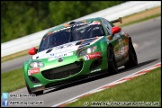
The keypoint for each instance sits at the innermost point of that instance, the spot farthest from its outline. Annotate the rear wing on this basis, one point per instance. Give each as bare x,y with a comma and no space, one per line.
117,20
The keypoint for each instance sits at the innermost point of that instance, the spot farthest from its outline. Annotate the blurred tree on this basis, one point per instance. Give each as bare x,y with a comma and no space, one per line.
20,18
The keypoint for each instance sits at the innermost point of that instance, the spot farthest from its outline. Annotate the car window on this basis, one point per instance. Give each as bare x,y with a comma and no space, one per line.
73,33
55,39
87,31
107,26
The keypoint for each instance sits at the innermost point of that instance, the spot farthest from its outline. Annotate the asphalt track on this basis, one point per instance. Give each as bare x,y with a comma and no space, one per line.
146,35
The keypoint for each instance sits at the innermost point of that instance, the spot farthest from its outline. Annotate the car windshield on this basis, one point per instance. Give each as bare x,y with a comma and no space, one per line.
77,32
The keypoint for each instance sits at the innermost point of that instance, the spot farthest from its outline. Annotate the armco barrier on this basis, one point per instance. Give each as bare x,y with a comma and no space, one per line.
111,13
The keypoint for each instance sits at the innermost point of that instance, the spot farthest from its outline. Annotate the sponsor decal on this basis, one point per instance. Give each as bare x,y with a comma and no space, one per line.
37,85
68,48
96,70
80,24
33,71
92,56
58,55
68,54
51,54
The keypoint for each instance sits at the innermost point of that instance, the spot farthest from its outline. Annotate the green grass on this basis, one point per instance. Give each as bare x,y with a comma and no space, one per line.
12,80
23,53
140,20
145,88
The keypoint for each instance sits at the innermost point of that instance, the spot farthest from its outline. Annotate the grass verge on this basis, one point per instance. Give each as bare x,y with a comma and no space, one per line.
128,20
140,20
15,55
12,80
145,89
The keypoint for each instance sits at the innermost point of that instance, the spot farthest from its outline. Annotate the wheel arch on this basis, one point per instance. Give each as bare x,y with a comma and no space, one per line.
110,45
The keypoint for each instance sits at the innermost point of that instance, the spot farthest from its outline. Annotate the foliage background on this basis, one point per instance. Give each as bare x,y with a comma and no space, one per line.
20,18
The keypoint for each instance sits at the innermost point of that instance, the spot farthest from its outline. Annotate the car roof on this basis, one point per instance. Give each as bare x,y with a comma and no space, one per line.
65,25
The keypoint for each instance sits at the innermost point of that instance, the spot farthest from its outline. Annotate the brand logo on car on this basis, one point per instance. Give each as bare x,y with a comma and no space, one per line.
37,85
96,70
33,71
51,54
92,56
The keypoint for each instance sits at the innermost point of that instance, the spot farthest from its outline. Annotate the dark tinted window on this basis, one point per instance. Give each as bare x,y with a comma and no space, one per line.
87,31
77,32
55,39
107,26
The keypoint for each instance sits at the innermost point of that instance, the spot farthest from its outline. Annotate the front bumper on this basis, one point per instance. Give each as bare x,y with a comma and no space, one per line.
77,69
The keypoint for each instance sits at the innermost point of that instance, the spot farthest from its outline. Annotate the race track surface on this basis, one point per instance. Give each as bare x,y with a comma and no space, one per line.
147,37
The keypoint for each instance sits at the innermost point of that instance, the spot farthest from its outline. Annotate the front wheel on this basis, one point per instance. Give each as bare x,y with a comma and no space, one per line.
28,89
30,92
112,65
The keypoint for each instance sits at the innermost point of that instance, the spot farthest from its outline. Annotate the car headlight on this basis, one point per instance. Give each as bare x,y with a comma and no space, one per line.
87,51
36,64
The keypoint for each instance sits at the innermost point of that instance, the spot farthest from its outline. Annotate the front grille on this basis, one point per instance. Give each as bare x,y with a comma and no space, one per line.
63,71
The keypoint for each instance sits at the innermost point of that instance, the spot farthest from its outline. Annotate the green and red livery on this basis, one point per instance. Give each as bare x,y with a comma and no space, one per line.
73,51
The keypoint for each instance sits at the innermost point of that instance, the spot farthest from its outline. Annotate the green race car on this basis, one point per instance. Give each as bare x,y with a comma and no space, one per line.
73,51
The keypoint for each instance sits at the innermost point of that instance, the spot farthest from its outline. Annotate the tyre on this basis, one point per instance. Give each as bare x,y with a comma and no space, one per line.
112,65
30,92
38,93
133,61
28,89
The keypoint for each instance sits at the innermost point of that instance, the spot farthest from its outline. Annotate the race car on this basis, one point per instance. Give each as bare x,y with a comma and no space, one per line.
76,50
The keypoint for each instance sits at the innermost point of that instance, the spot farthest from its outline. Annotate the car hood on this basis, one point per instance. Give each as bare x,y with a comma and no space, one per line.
64,49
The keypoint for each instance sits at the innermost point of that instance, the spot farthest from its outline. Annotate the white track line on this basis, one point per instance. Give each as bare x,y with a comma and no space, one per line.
121,80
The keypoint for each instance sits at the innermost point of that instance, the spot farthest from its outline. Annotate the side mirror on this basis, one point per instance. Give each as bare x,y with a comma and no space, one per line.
115,29
32,51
